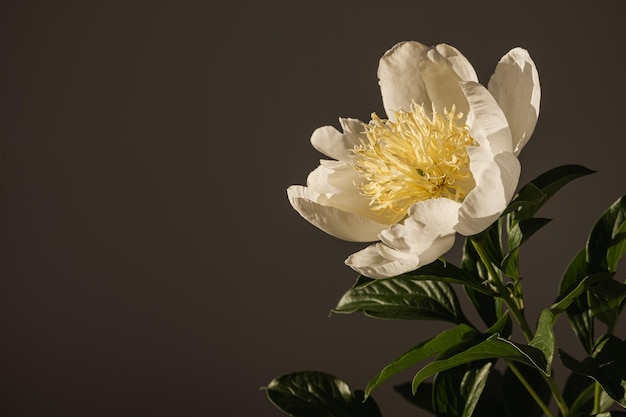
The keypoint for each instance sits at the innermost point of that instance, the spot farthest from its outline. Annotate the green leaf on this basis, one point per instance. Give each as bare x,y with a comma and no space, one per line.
449,273
544,336
317,394
403,298
611,414
456,391
488,306
617,249
578,394
492,402
518,234
519,402
603,236
527,201
606,301
422,398
606,365
576,305
458,335
570,295
493,347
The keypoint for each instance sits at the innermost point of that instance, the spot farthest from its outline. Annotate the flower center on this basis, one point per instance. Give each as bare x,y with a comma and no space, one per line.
414,158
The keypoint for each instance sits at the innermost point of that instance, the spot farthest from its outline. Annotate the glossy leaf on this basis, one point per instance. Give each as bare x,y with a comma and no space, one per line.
576,305
544,339
492,402
403,298
456,391
492,348
602,235
606,365
449,273
317,394
578,394
489,308
617,249
606,301
548,183
570,295
423,398
459,335
519,402
518,234
611,414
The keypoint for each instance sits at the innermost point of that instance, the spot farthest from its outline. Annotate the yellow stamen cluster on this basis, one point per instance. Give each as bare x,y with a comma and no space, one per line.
414,158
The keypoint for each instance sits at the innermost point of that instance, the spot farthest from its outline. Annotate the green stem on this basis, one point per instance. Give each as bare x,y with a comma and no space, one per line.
518,313
530,390
504,292
556,393
583,397
596,398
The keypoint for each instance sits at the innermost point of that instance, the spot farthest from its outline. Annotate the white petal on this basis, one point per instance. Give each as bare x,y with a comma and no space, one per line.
333,177
439,215
399,77
496,180
458,62
372,264
410,237
335,144
487,122
380,261
334,221
515,86
336,181
442,84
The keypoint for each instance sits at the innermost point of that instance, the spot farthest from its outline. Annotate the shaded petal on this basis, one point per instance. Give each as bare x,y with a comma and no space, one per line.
439,215
336,182
380,261
399,77
458,62
488,124
442,84
337,145
332,220
372,264
333,177
410,236
496,180
515,86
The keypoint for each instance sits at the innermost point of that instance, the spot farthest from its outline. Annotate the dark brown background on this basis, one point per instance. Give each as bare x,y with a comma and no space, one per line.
150,262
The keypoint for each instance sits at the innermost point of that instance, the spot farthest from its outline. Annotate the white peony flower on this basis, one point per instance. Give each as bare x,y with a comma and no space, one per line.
444,162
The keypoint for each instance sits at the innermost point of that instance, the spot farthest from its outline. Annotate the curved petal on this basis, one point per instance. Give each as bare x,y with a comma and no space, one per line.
515,86
410,237
439,215
442,84
487,122
333,177
337,145
458,62
332,220
399,77
372,264
496,180
379,261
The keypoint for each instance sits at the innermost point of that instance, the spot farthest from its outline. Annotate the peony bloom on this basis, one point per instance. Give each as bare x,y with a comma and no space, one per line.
443,162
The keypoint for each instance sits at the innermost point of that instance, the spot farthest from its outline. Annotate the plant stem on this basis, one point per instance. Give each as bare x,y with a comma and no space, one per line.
530,390
504,292
556,393
518,313
596,398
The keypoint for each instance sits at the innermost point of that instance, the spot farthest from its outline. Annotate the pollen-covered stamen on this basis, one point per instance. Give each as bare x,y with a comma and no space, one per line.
414,158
